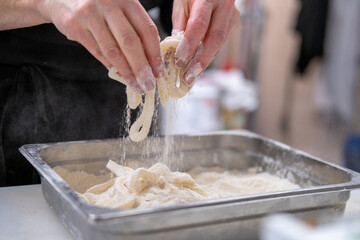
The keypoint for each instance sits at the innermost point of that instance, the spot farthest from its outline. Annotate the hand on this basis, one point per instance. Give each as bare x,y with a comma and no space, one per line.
118,33
207,24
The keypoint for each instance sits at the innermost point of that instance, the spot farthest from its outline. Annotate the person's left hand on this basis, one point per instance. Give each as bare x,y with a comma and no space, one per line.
206,25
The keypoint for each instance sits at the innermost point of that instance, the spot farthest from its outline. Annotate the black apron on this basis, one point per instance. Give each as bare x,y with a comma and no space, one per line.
51,90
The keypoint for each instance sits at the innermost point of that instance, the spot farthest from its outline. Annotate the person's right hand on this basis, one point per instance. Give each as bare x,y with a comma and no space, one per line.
206,25
118,33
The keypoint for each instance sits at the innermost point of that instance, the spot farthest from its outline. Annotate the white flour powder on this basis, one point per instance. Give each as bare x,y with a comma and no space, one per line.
157,185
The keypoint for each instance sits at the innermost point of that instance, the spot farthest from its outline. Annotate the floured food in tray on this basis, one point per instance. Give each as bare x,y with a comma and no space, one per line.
158,186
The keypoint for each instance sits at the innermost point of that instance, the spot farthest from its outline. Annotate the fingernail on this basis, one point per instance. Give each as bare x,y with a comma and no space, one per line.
174,32
190,81
137,89
179,63
192,73
149,85
161,70
181,53
130,81
146,79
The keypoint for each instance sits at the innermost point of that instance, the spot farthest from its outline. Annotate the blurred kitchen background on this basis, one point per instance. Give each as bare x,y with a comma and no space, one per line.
290,72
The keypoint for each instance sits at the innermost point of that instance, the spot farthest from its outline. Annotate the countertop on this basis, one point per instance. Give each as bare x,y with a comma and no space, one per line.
24,214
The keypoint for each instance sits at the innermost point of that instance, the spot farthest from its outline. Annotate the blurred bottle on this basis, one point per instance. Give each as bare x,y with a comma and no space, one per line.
352,152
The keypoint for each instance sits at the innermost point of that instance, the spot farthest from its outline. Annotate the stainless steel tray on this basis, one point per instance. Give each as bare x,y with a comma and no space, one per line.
324,192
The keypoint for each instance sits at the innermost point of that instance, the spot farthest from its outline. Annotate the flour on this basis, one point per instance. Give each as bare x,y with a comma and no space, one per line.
157,186
218,183
80,181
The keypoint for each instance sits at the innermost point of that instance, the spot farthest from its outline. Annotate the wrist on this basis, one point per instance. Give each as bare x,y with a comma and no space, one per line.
19,14
40,8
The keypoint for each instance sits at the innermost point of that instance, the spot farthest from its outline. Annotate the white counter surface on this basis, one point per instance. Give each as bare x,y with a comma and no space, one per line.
24,214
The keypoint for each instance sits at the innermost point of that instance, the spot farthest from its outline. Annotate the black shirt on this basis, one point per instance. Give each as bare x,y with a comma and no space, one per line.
51,90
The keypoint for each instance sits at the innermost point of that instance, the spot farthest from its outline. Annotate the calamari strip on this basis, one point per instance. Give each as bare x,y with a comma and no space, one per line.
174,75
169,86
140,129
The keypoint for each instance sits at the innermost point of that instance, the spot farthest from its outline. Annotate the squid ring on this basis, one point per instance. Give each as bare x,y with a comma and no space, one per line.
167,87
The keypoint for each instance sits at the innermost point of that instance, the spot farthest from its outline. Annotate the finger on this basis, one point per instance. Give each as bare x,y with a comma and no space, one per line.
112,53
180,16
131,46
149,36
85,38
124,71
88,41
234,20
212,43
195,31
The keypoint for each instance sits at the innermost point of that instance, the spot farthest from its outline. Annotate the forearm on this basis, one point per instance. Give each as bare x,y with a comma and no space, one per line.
119,33
20,13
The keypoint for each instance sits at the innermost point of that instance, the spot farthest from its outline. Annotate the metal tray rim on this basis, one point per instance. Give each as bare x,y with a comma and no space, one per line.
30,152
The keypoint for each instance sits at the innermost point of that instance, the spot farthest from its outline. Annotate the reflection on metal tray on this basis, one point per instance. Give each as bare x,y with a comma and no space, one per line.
325,187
